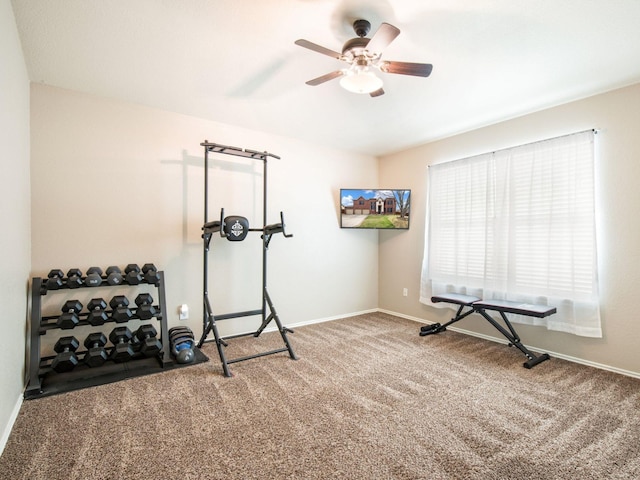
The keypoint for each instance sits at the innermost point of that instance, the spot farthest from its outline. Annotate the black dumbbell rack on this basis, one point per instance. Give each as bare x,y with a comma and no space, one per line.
267,310
44,381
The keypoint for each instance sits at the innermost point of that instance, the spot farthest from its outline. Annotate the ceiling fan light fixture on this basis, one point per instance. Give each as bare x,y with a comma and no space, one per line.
362,81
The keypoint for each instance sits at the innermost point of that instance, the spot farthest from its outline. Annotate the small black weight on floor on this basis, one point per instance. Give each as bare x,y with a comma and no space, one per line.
66,359
150,346
69,318
94,277
114,275
97,315
122,350
96,353
182,344
121,312
132,274
54,282
146,310
74,278
151,274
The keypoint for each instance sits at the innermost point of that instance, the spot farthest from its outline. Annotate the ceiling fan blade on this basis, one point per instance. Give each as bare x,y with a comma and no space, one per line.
407,68
385,34
325,78
318,48
377,93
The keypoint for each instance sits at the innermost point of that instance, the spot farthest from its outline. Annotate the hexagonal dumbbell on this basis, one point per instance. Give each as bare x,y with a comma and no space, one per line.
146,309
151,273
149,345
114,275
66,359
122,350
121,312
74,278
94,277
69,318
54,282
97,315
96,353
132,274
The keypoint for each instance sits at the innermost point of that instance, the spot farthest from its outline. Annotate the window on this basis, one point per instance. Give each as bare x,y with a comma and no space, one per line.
518,224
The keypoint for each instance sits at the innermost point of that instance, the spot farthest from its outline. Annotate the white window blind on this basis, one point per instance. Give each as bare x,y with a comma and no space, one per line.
518,224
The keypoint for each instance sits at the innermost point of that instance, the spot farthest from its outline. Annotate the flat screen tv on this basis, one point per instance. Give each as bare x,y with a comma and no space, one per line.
375,208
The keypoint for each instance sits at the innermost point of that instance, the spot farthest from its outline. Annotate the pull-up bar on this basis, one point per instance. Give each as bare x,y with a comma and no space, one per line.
239,152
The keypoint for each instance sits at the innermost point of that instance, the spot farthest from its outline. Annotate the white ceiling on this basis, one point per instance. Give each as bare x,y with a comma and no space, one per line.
235,61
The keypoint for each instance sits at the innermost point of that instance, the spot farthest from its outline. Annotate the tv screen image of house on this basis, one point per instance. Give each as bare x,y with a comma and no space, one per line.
374,208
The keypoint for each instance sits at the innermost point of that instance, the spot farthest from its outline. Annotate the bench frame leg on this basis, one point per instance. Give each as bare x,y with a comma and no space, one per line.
437,328
513,338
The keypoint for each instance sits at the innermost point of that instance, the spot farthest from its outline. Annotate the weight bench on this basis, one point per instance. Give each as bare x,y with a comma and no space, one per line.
477,305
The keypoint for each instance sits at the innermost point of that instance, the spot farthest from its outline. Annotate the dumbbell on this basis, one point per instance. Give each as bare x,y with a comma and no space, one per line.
132,274
149,344
74,278
114,275
97,315
69,319
122,350
182,344
96,353
151,273
54,282
94,277
66,359
121,312
146,310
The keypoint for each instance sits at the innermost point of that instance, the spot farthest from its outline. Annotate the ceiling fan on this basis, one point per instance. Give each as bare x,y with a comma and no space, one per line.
364,56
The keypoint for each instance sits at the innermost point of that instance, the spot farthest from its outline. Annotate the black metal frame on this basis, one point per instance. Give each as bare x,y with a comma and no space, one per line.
209,228
475,305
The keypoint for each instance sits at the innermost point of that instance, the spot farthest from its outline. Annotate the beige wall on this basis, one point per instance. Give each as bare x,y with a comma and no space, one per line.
116,183
618,171
15,237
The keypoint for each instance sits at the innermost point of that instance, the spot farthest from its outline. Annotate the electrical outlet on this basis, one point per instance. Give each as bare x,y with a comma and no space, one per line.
184,311
405,292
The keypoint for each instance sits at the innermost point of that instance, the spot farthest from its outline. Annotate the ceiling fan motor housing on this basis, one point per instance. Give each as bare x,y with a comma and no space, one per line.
352,46
362,27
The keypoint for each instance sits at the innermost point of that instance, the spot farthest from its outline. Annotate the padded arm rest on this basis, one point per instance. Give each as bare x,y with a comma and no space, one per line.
211,227
273,228
506,306
456,298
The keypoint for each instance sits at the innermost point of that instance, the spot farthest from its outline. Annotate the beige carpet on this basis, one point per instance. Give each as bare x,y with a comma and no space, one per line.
368,399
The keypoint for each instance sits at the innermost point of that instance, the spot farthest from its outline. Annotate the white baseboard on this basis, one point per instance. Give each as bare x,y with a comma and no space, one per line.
331,319
273,328
9,426
563,356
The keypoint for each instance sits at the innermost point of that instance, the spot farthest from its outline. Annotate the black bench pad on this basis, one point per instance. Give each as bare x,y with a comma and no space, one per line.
517,308
457,298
